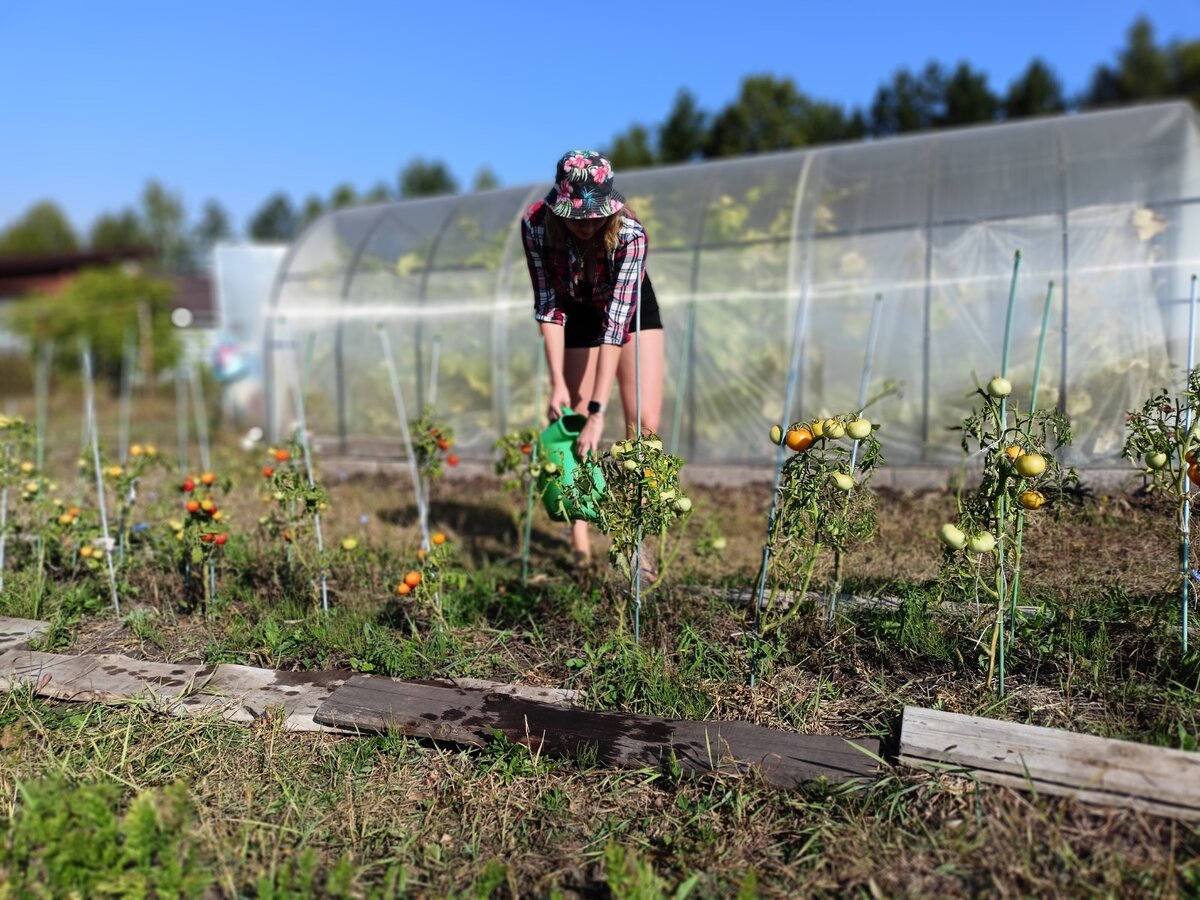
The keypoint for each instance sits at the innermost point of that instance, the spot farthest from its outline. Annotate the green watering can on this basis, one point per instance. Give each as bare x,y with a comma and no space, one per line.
558,447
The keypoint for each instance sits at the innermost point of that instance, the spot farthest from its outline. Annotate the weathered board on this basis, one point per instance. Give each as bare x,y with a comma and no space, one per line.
105,678
783,759
1052,761
16,633
244,694
235,693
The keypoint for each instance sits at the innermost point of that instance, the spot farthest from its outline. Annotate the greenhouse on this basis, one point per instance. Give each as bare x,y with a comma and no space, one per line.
755,257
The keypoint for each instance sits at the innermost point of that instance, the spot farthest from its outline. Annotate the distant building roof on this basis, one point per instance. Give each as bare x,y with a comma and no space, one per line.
49,273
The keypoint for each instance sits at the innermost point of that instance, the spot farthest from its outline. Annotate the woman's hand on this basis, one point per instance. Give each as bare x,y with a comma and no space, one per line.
559,397
589,439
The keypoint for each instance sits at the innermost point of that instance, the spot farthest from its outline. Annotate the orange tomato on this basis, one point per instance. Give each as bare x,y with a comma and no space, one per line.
208,478
799,439
452,459
443,444
1012,451
282,456
439,538
412,579
1193,473
402,588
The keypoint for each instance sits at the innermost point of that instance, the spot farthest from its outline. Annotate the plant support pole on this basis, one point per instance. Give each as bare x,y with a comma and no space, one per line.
863,386
126,402
1186,513
3,519
402,416
181,420
308,471
637,421
90,405
540,366
1033,398
201,411
1001,508
42,394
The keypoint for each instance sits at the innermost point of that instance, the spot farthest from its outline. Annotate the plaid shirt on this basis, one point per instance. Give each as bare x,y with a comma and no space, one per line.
557,274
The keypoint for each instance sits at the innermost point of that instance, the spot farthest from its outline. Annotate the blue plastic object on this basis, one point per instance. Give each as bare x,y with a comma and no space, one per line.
558,447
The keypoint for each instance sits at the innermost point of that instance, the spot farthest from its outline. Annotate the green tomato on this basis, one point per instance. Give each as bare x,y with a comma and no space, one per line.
981,543
630,465
1156,460
776,435
683,504
859,429
719,542
834,430
999,387
1030,465
842,480
952,536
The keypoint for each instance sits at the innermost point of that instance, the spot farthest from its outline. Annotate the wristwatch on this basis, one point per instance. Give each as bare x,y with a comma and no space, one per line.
594,407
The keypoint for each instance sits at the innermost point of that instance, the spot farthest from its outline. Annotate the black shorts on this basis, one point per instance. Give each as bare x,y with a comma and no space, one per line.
585,323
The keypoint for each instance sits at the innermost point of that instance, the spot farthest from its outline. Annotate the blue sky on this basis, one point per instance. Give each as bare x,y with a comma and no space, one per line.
236,100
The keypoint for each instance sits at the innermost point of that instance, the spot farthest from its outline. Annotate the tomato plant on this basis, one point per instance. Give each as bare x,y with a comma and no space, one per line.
432,440
642,498
426,582
1021,475
125,479
517,463
202,533
1163,439
822,503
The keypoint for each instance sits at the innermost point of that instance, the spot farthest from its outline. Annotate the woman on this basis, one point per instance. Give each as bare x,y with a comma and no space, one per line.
587,259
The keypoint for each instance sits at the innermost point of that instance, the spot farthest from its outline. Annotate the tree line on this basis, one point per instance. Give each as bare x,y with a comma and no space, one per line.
769,114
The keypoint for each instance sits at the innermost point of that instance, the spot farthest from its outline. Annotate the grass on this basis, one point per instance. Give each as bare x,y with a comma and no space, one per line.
122,800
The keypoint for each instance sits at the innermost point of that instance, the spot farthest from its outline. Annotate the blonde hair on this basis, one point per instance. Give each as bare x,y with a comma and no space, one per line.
557,233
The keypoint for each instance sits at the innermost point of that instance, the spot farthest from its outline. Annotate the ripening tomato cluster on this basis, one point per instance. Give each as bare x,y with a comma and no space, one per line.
802,435
202,507
444,444
413,578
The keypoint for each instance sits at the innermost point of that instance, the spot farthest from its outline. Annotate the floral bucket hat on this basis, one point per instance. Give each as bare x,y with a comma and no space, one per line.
583,187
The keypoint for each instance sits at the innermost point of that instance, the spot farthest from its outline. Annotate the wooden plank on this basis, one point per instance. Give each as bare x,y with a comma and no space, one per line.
783,759
245,694
240,694
16,633
105,678
1049,760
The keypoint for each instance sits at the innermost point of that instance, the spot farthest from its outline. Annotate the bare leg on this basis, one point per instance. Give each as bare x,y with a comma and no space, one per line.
579,371
653,363
653,355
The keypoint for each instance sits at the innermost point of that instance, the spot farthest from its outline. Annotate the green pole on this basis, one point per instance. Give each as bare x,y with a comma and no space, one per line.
1037,374
537,418
42,393
681,382
1001,506
1186,512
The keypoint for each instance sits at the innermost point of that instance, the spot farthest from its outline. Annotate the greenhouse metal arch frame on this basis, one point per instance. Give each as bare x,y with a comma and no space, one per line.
753,254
